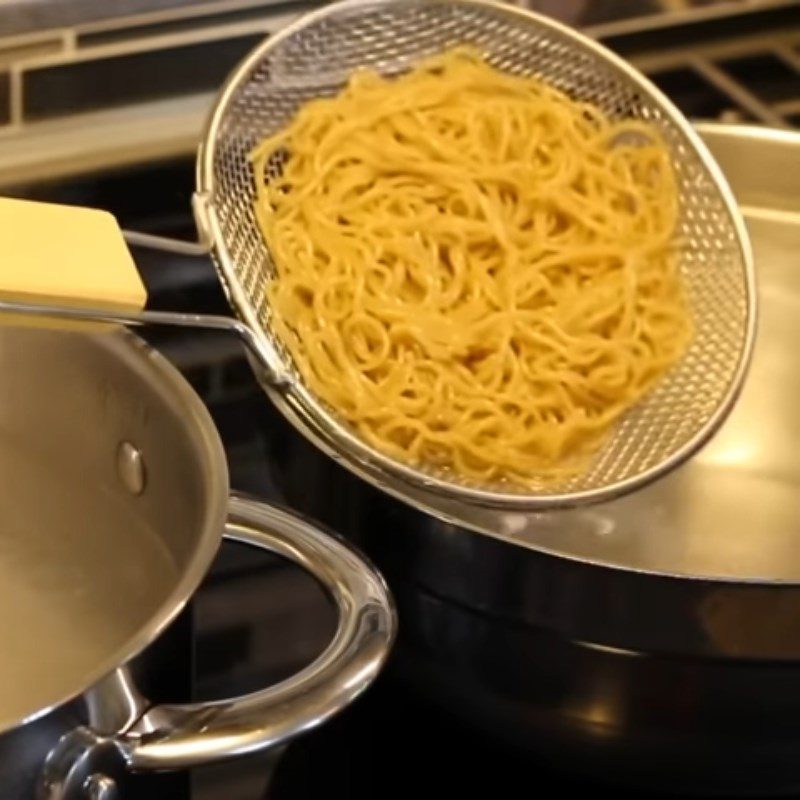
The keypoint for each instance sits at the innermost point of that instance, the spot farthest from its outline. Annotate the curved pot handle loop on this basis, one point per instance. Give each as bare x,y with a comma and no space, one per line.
181,736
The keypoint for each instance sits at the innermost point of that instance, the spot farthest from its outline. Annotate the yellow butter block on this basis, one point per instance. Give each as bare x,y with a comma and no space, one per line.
66,256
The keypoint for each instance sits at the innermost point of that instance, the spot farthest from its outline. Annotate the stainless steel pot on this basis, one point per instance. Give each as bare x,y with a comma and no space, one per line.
115,497
654,640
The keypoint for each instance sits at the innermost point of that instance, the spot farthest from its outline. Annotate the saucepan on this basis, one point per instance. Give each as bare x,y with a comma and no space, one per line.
654,640
115,501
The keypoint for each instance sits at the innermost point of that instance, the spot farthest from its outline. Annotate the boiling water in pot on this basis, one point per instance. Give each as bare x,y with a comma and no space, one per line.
79,572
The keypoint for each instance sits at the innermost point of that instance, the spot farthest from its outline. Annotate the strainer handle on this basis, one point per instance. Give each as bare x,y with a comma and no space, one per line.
264,358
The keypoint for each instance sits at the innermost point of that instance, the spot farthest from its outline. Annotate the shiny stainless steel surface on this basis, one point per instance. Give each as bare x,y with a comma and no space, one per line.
131,467
115,491
595,641
314,56
263,358
699,521
182,736
89,572
114,703
124,733
100,787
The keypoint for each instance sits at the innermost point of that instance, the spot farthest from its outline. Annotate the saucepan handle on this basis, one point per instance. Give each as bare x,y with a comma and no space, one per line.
270,370
263,353
169,737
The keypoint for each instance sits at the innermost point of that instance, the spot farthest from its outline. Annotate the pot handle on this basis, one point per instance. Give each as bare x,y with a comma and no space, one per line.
181,736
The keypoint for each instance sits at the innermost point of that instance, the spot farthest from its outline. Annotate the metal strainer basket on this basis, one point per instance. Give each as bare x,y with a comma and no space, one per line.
314,57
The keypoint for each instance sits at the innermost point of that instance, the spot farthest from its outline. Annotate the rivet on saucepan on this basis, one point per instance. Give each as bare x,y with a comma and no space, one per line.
130,468
100,787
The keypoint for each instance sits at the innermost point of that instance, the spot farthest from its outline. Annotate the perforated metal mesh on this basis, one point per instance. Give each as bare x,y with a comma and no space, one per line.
315,57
